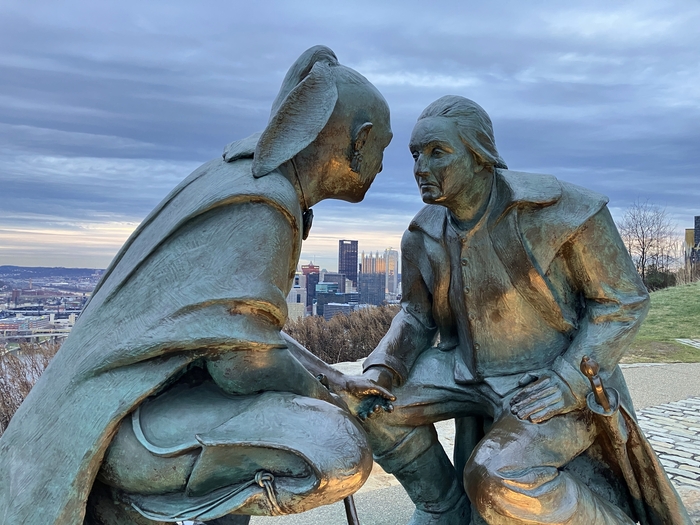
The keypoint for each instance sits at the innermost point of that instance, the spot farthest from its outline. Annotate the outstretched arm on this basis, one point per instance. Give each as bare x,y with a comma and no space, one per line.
351,389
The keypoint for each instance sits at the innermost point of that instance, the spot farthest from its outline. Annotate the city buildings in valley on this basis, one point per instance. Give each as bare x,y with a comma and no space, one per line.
392,273
692,244
379,279
296,298
347,260
312,274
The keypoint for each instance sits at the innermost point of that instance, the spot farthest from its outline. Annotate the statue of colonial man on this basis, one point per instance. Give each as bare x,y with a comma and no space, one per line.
509,279
176,397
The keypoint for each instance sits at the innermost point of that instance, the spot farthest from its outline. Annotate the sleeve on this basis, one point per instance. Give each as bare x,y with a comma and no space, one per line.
413,329
614,300
231,270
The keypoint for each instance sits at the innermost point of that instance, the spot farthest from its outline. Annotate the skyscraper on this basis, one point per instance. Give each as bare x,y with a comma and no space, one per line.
373,263
371,287
312,274
392,270
347,259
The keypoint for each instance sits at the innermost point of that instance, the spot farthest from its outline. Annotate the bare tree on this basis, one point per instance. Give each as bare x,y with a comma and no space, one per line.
649,236
18,373
344,337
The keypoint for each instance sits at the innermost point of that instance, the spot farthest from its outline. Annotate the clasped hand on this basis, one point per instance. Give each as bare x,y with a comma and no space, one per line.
543,399
364,395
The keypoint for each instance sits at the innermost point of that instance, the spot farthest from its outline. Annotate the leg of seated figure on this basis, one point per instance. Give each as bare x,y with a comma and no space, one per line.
513,475
416,458
431,482
306,453
104,509
405,444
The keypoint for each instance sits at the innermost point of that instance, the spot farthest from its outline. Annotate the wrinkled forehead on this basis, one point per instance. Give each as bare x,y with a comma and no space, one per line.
433,129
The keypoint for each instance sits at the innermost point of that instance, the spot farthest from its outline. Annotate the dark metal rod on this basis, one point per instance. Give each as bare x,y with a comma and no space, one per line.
351,511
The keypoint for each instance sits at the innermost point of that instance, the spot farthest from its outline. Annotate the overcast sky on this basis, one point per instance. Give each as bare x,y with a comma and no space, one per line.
105,106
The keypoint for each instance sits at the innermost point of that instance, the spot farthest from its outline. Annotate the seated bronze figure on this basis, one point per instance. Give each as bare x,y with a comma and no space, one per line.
509,280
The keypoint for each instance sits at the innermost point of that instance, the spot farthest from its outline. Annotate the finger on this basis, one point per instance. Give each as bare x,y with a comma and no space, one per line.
527,379
542,404
535,397
547,413
531,389
380,392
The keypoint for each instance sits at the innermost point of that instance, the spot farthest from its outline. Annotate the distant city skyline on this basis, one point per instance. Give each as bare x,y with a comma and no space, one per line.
105,107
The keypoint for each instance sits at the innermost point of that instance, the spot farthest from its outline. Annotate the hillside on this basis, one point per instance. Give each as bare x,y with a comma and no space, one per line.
674,314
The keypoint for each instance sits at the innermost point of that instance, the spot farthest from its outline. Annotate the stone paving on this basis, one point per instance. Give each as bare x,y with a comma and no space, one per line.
673,429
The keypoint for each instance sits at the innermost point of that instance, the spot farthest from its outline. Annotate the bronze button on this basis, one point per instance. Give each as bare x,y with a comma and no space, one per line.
466,289
464,262
476,346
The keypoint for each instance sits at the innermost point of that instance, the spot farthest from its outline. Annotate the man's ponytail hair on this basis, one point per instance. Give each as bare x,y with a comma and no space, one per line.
473,124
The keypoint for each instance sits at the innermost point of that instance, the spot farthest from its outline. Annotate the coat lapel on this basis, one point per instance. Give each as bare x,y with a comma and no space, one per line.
515,192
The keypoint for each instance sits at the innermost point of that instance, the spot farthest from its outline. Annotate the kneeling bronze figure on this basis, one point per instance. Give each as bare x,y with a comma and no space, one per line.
509,279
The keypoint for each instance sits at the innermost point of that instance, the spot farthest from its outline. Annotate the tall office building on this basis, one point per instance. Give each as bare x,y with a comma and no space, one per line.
312,274
306,269
373,263
338,278
371,288
392,271
347,260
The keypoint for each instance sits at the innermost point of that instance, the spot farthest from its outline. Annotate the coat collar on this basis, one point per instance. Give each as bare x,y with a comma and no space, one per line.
513,188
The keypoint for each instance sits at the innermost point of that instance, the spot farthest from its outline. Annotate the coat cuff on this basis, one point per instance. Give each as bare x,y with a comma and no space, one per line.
398,369
572,376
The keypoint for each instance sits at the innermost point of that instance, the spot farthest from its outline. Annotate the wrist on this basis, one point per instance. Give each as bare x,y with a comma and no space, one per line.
381,375
572,378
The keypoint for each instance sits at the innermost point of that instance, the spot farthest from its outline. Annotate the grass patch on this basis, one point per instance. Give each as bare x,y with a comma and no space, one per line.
674,314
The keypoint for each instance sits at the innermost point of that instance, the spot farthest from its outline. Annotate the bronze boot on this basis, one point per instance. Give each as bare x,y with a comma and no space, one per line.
432,484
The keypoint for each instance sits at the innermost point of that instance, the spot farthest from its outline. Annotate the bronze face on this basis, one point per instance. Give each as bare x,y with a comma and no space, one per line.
368,147
444,168
373,154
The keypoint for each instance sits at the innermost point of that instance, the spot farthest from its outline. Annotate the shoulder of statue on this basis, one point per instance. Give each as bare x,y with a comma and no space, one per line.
430,220
546,227
214,184
522,189
541,193
233,181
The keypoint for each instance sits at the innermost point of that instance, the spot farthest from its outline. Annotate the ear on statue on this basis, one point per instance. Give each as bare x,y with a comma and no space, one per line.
361,135
298,121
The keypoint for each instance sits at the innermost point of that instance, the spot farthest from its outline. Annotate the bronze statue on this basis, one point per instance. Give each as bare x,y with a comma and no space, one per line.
176,397
509,279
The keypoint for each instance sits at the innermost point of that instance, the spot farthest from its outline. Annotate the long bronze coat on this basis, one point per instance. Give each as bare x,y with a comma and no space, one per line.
205,274
566,262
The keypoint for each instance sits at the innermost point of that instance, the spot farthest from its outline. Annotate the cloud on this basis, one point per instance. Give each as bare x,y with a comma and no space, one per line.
104,107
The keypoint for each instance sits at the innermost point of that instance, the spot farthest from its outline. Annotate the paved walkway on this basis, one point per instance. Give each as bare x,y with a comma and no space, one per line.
673,429
667,399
